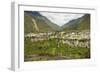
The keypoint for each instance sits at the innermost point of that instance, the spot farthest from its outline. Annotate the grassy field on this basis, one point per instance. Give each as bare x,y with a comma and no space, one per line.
50,50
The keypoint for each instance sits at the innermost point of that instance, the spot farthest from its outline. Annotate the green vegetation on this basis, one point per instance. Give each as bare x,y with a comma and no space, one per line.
43,24
53,49
29,25
49,50
82,23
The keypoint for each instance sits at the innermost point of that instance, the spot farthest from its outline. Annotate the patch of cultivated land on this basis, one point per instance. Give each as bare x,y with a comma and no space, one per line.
56,46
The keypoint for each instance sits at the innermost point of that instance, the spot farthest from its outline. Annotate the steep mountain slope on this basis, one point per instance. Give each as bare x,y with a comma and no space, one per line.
82,23
34,21
85,22
52,25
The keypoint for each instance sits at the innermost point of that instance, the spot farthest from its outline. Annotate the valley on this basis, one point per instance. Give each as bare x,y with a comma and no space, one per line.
45,40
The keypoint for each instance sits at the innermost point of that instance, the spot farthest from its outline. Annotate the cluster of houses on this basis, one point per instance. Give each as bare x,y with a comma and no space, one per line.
76,39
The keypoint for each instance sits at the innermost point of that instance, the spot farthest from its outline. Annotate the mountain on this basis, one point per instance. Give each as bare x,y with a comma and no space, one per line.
35,22
82,23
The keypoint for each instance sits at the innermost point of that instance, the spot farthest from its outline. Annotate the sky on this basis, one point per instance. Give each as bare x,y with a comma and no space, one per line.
60,18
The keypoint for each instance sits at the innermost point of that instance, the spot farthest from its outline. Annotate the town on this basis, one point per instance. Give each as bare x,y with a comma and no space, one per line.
74,39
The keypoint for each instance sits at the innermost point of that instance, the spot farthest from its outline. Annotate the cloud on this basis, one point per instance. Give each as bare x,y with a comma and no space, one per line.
60,18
